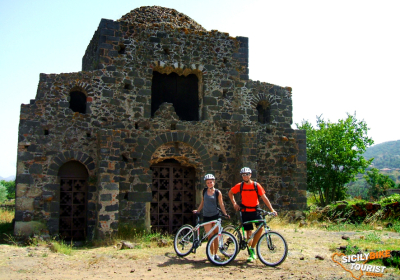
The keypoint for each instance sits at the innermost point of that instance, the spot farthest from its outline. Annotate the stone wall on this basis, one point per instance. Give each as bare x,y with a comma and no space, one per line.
117,140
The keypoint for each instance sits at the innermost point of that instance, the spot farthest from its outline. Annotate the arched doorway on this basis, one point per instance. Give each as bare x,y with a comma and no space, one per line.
173,191
73,201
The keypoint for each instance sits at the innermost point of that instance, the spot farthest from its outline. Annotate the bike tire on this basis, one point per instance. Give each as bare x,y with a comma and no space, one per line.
227,252
183,241
272,248
236,233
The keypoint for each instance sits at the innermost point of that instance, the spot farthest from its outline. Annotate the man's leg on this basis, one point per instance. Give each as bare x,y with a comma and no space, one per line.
257,237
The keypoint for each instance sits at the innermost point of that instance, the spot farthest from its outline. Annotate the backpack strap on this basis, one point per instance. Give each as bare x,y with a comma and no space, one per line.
255,188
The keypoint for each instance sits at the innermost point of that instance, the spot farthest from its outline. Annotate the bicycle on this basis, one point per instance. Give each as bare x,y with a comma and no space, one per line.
271,248
187,240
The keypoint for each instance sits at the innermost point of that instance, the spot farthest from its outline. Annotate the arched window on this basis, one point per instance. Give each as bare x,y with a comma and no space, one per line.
77,102
264,112
181,91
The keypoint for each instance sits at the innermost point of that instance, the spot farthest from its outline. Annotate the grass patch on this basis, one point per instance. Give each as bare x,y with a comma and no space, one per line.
349,227
61,247
6,228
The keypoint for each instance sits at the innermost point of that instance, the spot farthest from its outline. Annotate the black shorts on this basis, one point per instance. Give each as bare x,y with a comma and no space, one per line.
249,216
207,219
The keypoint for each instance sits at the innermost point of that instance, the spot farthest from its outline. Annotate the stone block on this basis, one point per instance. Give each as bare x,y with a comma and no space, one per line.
110,186
104,218
24,203
208,100
27,229
106,197
24,179
36,169
111,208
108,80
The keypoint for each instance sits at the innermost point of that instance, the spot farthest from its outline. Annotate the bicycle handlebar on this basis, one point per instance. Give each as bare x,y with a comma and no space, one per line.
261,211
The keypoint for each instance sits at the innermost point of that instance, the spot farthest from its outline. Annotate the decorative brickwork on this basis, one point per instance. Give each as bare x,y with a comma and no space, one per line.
240,123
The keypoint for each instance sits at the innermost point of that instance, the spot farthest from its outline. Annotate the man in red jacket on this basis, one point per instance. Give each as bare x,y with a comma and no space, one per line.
250,191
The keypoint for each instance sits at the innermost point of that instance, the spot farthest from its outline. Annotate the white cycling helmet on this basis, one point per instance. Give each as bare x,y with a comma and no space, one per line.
209,177
245,170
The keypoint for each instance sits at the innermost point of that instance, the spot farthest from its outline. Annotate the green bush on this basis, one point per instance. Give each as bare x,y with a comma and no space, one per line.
10,186
3,193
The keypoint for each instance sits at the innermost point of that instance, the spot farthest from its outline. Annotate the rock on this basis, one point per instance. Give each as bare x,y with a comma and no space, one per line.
340,220
301,258
162,243
298,215
345,237
302,223
125,245
319,257
341,206
341,202
389,225
342,248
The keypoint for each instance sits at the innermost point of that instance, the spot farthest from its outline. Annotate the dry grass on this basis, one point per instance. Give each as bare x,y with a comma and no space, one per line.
6,216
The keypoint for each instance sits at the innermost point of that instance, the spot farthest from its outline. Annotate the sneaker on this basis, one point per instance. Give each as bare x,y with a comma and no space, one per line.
250,259
217,258
252,256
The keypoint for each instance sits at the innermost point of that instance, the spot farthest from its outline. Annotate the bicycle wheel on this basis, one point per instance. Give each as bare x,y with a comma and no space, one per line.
183,241
272,248
235,232
227,248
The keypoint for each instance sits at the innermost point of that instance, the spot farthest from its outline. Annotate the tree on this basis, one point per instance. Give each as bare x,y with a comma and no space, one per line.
10,186
379,183
3,193
335,156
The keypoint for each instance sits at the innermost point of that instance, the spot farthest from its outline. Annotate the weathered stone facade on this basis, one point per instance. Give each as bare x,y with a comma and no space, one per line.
116,119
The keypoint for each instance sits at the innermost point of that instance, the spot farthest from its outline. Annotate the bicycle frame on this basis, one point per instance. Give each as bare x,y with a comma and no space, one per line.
197,240
218,225
263,224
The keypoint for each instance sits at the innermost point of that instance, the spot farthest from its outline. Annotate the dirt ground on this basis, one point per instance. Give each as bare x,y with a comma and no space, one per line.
162,263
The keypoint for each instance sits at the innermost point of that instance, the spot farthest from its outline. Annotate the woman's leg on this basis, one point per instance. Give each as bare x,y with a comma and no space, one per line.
213,246
215,243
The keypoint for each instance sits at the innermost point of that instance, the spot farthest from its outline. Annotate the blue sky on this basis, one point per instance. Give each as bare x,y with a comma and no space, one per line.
338,56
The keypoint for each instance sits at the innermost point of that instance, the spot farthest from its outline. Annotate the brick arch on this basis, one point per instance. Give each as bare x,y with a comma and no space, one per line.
66,156
194,160
261,97
179,137
179,68
81,86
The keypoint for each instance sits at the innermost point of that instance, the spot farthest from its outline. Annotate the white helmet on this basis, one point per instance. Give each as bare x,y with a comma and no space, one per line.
209,177
245,170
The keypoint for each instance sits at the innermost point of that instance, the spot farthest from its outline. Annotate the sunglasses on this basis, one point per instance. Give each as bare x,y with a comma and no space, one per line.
245,174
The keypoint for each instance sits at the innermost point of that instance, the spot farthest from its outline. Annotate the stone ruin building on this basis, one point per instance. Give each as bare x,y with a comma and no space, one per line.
159,103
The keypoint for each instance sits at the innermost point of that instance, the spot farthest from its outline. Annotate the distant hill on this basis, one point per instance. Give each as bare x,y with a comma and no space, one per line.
9,178
386,155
